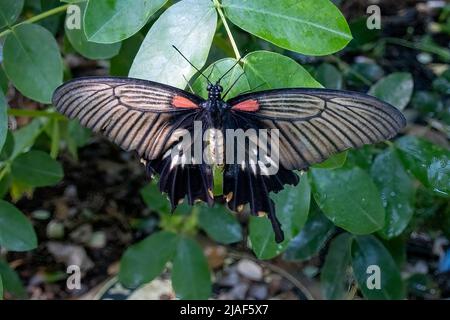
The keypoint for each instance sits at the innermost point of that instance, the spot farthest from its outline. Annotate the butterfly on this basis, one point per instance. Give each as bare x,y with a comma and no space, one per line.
147,117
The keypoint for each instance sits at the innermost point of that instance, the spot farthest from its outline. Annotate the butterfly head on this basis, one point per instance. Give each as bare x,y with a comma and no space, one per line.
214,91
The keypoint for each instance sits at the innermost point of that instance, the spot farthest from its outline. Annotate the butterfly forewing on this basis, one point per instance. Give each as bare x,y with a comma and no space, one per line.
135,114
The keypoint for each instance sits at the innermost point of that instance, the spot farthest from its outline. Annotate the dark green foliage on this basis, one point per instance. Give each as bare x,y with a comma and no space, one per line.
375,194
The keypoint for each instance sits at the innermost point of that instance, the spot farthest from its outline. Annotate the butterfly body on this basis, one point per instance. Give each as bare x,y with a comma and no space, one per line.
304,126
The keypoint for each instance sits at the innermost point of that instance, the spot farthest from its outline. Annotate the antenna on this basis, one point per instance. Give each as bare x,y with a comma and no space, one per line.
234,83
207,79
234,65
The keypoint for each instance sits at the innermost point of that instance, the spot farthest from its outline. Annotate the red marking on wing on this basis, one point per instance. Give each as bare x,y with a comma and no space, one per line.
247,105
182,102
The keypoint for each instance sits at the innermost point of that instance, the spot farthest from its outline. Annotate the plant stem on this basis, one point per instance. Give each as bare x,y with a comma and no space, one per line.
35,114
227,28
36,18
443,53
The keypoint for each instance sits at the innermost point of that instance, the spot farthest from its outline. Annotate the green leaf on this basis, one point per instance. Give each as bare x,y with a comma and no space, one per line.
190,26
349,198
32,61
16,231
191,278
11,281
336,161
220,224
427,102
9,11
145,260
427,162
368,251
154,200
397,192
220,68
116,20
37,169
121,63
3,120
329,76
311,239
4,82
292,208
363,73
76,136
396,89
270,70
333,278
8,147
361,34
311,27
86,48
24,137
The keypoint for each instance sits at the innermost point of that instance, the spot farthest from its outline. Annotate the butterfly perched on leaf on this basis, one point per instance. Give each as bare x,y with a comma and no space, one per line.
146,117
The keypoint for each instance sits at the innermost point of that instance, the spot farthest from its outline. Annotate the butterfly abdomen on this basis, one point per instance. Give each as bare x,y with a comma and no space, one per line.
215,147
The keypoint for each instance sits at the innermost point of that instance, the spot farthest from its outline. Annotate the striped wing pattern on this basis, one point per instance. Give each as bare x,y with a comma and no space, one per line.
135,114
317,123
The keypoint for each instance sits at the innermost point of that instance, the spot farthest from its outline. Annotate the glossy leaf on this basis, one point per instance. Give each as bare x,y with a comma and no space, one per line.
16,231
349,198
220,224
32,61
364,73
329,76
396,89
25,136
11,281
311,238
3,120
292,208
333,280
145,260
154,200
191,278
367,253
311,27
9,11
121,63
427,162
116,20
219,68
76,136
189,25
269,70
397,192
336,161
86,48
48,171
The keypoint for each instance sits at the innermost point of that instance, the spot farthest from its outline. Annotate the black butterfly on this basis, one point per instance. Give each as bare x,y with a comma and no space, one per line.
145,116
